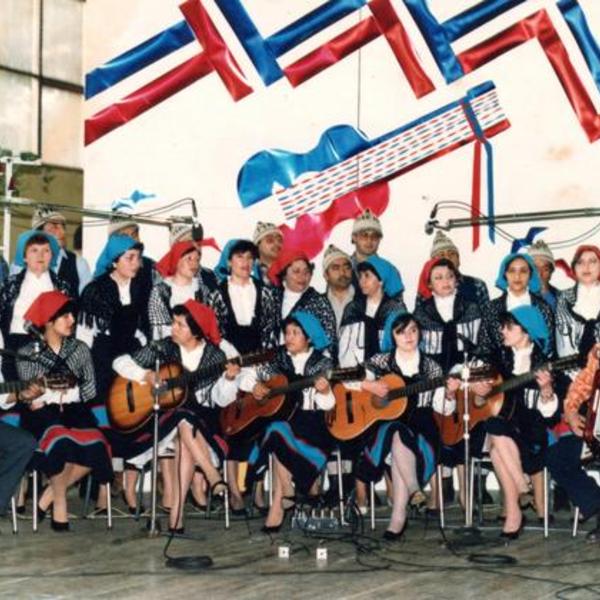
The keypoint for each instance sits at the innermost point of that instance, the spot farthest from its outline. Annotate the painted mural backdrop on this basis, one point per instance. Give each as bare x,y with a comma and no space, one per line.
304,113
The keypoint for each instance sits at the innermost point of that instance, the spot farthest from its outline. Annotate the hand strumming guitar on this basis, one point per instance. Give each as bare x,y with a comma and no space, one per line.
260,391
29,395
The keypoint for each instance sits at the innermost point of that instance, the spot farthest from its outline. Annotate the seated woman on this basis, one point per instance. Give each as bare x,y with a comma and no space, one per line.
69,443
193,344
300,446
450,326
520,283
518,436
413,440
578,308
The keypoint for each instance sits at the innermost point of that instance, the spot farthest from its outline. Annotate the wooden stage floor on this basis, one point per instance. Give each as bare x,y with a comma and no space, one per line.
91,562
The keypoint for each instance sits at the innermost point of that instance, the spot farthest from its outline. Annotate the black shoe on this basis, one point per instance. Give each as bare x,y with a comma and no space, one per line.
219,488
60,526
196,504
550,520
394,536
262,510
513,535
41,514
132,509
176,530
20,509
269,529
239,512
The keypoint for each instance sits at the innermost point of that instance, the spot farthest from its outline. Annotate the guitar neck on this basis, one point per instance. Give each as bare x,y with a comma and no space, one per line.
214,370
331,376
514,382
416,388
11,387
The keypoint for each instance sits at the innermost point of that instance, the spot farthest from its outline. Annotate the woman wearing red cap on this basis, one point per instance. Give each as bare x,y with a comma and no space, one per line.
180,269
194,344
578,308
449,325
291,274
70,445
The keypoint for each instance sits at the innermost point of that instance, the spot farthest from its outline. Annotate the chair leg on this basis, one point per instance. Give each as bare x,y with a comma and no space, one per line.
109,522
88,494
469,497
226,495
576,521
440,486
340,481
479,494
270,479
140,493
545,484
372,503
13,509
35,500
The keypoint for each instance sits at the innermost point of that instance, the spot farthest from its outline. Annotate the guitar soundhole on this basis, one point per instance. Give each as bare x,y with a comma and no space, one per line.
349,413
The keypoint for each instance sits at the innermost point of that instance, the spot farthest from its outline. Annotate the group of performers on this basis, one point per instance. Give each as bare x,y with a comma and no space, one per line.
67,335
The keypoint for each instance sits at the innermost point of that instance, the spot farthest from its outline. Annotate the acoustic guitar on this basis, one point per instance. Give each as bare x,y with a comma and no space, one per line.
482,408
130,403
247,416
355,411
51,382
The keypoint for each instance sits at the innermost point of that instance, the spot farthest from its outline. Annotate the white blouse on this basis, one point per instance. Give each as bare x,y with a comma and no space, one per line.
588,301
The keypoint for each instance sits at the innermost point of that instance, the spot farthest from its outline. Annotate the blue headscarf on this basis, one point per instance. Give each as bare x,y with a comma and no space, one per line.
222,268
313,329
533,322
116,245
535,283
22,242
387,342
389,275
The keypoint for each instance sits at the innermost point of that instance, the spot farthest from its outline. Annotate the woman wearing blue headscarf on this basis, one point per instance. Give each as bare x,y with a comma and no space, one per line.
364,318
520,283
36,252
300,446
518,436
113,321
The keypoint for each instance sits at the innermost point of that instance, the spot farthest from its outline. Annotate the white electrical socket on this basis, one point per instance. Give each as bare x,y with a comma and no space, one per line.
283,551
321,553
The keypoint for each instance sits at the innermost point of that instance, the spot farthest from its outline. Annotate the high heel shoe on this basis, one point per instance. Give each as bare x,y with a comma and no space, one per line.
219,488
176,530
513,535
132,509
394,536
418,499
60,526
269,529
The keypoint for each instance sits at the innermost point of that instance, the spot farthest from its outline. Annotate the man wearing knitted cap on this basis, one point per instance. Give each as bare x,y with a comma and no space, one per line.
545,265
337,270
366,236
471,288
269,241
69,267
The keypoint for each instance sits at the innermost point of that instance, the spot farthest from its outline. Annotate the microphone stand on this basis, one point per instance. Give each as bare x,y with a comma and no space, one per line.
470,533
154,526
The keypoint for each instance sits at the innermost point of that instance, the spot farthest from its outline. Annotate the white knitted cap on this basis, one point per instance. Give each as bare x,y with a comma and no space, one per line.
332,253
264,229
44,215
442,242
367,221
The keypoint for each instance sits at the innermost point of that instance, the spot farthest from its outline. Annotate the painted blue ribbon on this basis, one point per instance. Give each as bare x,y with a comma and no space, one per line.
132,61
489,153
338,143
439,36
575,18
526,241
262,57
311,23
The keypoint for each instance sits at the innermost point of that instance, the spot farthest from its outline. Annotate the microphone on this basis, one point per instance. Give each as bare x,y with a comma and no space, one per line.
197,229
35,333
432,222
